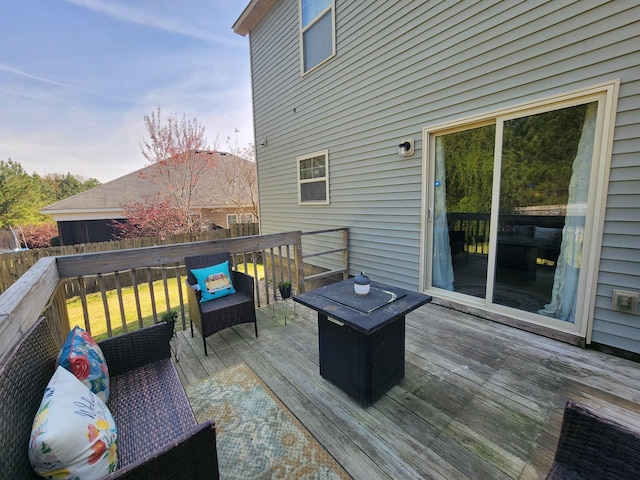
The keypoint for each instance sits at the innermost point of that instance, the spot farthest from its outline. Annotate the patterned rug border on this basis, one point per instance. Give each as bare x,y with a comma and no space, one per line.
243,367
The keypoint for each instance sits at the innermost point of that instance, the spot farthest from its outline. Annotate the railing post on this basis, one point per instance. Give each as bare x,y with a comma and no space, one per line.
299,265
345,254
23,302
57,314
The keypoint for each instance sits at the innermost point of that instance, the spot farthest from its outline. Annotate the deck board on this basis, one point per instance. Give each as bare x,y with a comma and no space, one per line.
479,399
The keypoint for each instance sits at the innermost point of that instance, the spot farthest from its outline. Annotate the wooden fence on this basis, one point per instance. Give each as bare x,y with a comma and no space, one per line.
15,264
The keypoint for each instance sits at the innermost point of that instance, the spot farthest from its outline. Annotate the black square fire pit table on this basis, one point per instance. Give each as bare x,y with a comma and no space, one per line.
361,338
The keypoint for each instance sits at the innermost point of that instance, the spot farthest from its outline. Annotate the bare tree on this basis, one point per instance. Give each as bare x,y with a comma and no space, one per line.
241,178
178,148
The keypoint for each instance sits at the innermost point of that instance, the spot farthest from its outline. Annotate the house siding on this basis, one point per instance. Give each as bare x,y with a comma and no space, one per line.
402,66
620,255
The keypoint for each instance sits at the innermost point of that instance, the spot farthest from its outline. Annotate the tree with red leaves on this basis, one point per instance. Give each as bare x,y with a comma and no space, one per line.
177,148
38,236
152,217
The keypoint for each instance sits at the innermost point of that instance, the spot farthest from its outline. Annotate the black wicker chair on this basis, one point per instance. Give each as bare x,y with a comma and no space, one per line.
593,447
214,315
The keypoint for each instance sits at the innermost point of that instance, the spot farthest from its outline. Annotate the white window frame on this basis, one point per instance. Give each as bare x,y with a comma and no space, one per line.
607,96
299,160
238,218
302,30
248,217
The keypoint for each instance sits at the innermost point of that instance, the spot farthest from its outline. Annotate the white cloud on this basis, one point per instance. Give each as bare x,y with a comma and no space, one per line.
152,16
20,73
33,92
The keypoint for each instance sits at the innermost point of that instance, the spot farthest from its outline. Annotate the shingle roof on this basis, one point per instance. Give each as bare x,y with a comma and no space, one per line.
136,185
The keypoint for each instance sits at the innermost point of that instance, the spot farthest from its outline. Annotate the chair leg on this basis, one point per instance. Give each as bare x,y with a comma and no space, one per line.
204,341
256,325
191,323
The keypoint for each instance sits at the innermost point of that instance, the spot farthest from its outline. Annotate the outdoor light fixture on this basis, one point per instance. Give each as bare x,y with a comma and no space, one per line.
405,149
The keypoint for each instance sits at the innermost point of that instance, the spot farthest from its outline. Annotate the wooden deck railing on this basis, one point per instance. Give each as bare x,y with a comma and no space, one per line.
333,246
40,289
475,226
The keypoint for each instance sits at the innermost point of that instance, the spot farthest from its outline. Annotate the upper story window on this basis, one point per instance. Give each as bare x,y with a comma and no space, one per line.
313,178
317,30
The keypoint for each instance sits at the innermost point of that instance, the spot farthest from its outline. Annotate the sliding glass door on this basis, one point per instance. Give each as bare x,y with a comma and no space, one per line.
509,203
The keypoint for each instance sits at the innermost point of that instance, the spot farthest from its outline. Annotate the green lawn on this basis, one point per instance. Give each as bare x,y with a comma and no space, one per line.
96,309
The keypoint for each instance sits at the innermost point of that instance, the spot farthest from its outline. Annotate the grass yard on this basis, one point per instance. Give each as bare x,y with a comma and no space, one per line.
96,310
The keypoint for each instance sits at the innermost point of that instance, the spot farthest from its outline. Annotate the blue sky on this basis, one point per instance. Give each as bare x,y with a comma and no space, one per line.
77,78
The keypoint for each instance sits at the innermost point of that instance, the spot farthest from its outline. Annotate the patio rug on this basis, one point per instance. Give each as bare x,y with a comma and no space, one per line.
257,436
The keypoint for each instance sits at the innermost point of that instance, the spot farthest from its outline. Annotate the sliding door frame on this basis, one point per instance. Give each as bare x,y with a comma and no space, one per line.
606,94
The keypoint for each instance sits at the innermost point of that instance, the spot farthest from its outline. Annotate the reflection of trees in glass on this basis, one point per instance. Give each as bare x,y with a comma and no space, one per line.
469,169
537,158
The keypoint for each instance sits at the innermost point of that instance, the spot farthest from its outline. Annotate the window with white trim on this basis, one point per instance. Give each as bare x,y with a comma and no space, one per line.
317,32
233,218
313,178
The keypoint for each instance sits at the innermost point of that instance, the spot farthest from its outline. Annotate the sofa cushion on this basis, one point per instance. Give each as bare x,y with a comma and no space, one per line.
151,408
82,356
73,434
214,281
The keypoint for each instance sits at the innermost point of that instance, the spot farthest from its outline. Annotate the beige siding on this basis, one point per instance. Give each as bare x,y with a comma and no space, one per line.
401,66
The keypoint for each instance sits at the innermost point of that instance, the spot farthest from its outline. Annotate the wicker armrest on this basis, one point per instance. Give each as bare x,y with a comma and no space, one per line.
193,291
592,446
190,457
243,282
134,349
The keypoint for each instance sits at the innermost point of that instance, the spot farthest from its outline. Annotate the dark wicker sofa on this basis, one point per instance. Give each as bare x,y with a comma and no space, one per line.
158,435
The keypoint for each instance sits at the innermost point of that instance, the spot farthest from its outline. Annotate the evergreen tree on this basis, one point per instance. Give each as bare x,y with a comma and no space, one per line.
19,194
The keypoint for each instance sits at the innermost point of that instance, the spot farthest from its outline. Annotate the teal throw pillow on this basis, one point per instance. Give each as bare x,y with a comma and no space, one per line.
214,281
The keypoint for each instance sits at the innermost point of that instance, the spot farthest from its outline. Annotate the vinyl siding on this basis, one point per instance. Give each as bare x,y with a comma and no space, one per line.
620,255
401,66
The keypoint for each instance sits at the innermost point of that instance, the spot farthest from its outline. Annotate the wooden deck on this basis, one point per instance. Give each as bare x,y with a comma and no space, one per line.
479,400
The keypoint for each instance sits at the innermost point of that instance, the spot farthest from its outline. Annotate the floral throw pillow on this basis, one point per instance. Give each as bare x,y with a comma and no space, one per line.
214,281
82,356
74,435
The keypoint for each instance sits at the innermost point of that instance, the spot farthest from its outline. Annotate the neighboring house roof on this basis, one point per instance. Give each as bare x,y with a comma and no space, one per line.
105,201
251,16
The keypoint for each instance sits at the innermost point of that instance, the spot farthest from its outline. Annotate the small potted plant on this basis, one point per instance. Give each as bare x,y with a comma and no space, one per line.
169,316
285,289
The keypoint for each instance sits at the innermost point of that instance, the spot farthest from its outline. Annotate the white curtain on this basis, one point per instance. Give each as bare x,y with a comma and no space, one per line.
565,282
442,267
